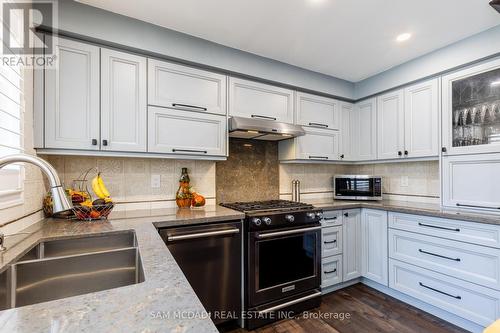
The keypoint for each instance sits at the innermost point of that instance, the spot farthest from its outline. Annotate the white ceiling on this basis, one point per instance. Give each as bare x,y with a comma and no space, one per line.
348,39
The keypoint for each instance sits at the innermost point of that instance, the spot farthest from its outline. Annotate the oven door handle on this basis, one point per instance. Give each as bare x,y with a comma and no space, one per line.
292,302
286,232
172,238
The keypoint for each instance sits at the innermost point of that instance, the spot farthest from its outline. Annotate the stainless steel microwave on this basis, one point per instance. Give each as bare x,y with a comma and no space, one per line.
357,187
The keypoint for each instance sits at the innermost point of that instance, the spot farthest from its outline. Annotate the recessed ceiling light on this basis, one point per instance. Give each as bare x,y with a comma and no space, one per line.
403,37
316,1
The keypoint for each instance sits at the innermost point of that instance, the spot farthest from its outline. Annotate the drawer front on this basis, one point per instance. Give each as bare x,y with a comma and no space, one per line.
467,300
331,271
470,232
473,263
331,218
332,241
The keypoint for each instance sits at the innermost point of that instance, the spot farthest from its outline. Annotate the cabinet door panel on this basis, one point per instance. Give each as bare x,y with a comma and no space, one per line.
185,88
316,111
123,101
472,181
258,100
351,240
346,126
365,130
318,144
422,119
390,125
374,245
185,132
72,97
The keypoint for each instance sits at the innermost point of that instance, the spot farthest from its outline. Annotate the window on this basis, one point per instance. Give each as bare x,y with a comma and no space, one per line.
11,132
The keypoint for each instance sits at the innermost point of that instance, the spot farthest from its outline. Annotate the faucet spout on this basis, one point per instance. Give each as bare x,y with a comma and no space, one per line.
59,198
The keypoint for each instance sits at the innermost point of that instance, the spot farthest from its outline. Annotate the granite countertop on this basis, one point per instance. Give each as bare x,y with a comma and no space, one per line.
427,209
143,307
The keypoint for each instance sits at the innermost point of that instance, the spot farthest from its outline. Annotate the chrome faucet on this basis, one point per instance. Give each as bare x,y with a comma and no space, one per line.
59,198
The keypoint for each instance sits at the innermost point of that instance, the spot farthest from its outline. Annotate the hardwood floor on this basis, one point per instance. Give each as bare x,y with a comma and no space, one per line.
370,311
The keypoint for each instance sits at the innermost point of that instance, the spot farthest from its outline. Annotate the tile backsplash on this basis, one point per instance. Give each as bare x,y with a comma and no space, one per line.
129,179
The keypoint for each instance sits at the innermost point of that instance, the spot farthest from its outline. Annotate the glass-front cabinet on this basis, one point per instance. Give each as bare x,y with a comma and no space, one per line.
471,110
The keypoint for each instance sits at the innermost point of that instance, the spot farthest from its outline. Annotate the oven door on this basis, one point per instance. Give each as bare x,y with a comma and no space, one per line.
359,188
283,263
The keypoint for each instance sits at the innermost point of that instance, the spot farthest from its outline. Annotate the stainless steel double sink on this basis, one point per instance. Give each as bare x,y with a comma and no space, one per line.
68,267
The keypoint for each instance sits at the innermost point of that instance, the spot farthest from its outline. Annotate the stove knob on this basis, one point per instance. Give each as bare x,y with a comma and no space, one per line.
267,220
256,221
310,215
319,215
289,218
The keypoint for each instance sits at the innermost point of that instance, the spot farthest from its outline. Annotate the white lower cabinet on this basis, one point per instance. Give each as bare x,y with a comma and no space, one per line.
179,132
332,241
351,239
476,303
374,245
331,271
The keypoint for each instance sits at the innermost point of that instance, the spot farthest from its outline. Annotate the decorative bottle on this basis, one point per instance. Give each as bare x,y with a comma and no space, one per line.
183,196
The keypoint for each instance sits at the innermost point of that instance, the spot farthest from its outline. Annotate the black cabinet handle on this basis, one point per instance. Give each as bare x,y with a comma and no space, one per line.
104,142
438,227
330,242
346,214
318,157
330,272
330,218
187,106
444,150
438,255
400,153
406,152
189,151
342,156
318,125
476,206
94,142
439,291
263,117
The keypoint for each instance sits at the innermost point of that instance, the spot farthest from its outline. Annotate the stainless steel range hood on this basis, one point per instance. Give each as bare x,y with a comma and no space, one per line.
261,129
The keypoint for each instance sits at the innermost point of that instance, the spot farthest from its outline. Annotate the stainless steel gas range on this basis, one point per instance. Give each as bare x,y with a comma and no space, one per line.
282,259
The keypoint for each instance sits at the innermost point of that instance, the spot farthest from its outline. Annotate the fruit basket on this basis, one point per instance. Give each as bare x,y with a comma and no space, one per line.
85,207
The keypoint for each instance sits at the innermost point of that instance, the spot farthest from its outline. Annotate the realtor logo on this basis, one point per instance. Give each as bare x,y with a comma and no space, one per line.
22,43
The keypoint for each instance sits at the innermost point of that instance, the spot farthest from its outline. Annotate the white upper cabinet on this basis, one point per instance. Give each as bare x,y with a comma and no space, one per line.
185,88
123,101
390,125
472,181
364,130
422,119
346,125
316,145
72,97
374,254
180,132
471,109
258,100
316,111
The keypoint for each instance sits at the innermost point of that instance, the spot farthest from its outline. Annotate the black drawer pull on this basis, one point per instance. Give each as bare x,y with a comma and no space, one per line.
330,272
318,125
94,142
439,291
318,157
189,151
330,218
263,117
476,206
438,227
104,142
330,242
438,255
176,105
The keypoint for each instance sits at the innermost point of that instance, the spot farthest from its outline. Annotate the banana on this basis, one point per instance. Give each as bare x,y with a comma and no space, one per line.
97,188
102,186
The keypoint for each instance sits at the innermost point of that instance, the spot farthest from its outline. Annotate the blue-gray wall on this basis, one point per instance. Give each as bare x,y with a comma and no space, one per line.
479,46
106,27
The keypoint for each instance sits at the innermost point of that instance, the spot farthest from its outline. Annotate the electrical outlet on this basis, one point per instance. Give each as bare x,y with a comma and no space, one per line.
155,181
404,181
